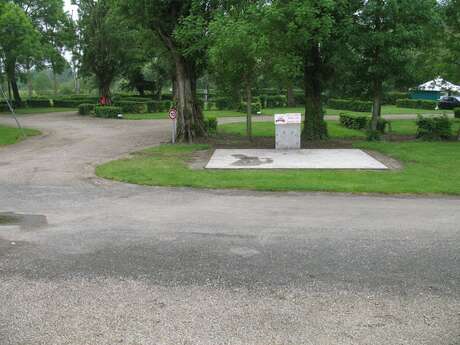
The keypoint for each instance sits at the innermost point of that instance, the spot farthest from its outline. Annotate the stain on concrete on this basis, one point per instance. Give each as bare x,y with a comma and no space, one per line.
25,221
244,160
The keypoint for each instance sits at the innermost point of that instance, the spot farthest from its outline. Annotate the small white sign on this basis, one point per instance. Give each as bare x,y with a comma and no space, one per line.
285,119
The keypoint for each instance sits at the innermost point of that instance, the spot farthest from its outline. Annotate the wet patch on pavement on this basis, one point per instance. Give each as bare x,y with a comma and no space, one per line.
25,221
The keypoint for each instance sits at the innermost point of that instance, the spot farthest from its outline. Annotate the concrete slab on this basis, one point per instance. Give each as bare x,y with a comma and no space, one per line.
293,159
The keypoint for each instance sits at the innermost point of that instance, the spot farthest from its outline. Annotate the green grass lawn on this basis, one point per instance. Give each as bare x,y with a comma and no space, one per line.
164,115
386,110
267,129
28,111
12,135
429,167
336,131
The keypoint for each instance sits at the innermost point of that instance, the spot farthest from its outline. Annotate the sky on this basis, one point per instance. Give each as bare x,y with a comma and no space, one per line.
68,7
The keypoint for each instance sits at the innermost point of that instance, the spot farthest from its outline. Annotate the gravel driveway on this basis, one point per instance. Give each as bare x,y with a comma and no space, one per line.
88,261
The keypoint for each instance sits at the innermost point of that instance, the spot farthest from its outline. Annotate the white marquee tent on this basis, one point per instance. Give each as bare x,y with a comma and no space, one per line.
439,84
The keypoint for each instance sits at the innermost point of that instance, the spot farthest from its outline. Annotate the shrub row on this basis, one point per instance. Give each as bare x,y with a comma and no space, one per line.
107,111
68,103
132,107
457,113
392,97
353,122
434,128
86,108
255,107
352,105
416,104
277,101
210,125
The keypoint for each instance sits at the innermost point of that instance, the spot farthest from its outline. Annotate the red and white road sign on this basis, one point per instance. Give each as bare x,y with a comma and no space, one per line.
173,114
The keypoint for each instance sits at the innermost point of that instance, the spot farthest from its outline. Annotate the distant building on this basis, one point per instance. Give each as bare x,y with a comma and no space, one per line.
434,90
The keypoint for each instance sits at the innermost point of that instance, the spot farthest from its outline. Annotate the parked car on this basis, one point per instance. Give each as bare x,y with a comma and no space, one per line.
449,102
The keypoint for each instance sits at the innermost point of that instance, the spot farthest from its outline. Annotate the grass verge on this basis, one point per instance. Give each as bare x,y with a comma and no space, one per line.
386,110
429,168
267,129
11,135
29,111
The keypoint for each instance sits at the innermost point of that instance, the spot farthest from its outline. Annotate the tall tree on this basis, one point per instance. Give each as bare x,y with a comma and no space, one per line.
305,35
182,28
452,42
105,42
19,43
237,50
56,34
386,34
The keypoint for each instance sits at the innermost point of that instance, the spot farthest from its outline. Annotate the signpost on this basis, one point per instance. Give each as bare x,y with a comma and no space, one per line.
173,117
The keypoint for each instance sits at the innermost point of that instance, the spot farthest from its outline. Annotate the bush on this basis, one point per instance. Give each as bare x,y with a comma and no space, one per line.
210,125
277,101
392,97
416,104
136,99
255,107
107,112
223,103
457,113
4,107
352,105
38,103
382,125
373,135
353,122
158,106
86,108
132,107
67,103
434,128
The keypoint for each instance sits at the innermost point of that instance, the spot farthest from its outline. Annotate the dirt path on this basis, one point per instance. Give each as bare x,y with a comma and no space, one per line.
71,146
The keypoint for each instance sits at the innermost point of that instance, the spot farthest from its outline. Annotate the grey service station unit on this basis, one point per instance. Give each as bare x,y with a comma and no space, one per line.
288,128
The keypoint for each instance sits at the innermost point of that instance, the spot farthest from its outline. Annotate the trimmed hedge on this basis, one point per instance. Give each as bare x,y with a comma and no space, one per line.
353,122
277,101
38,103
392,97
107,112
210,125
132,107
434,128
457,113
416,104
86,108
352,105
158,106
255,107
67,103
223,103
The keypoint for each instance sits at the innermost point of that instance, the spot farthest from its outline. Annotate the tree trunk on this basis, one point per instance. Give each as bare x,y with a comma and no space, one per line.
314,126
10,98
11,76
30,90
377,104
248,111
290,95
190,117
16,95
55,84
104,91
29,85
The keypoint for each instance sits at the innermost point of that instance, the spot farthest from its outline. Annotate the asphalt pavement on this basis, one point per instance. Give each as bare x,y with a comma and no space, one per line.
89,261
